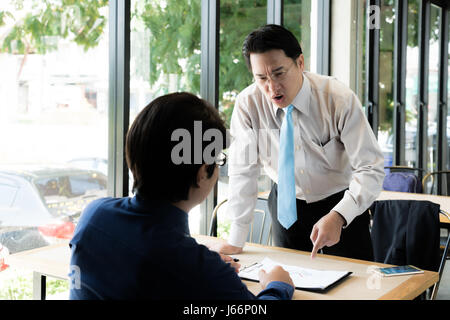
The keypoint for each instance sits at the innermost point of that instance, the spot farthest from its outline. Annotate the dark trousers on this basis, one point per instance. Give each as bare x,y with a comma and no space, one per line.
355,239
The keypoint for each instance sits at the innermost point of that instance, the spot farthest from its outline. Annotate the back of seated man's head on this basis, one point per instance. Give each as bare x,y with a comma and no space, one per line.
168,142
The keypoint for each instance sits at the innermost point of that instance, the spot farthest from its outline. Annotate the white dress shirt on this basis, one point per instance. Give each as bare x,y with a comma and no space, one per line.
335,149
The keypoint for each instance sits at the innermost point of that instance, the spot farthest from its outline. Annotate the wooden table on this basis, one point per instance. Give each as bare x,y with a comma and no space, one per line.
50,261
361,285
54,260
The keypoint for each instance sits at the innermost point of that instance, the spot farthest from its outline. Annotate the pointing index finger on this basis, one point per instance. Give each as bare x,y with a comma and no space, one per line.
317,246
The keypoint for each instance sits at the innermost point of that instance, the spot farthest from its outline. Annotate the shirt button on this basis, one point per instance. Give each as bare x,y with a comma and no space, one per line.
297,147
307,191
302,172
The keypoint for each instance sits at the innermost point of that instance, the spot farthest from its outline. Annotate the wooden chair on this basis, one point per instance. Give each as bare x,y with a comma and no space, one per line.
444,243
430,183
438,183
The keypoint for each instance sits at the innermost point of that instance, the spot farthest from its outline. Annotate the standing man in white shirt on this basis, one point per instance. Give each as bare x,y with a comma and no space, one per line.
337,164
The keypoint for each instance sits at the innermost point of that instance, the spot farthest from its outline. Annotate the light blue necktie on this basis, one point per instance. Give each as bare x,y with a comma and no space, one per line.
287,207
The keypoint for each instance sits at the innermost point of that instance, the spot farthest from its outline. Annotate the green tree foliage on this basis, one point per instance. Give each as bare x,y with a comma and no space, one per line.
297,16
3,16
32,33
237,19
175,37
175,28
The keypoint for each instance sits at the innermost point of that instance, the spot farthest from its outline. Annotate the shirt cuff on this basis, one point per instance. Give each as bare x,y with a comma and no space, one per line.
238,234
348,209
277,290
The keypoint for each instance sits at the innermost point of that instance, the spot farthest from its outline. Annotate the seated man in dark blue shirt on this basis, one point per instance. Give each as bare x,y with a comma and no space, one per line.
140,247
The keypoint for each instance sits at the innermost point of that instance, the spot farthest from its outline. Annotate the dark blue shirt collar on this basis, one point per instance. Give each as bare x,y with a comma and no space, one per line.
173,215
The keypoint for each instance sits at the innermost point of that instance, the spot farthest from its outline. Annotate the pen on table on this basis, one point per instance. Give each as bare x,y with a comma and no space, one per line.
252,266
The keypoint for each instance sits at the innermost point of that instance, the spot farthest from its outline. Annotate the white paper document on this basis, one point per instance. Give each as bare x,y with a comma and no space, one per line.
303,278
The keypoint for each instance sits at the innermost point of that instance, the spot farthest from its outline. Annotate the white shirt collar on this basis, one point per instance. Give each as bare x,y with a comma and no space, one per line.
301,100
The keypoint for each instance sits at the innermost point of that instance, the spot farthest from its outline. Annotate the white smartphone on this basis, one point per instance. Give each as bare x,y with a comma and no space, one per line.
398,271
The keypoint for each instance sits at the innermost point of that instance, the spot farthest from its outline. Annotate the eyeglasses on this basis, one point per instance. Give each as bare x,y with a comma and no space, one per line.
221,159
277,76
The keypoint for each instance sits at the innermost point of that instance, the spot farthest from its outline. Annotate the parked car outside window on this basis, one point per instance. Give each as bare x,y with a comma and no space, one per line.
41,205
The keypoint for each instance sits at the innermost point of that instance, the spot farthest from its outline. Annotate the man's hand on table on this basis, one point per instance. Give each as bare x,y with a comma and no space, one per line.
276,274
327,231
225,248
230,260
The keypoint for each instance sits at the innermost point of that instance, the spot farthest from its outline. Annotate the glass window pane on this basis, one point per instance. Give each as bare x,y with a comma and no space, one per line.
448,99
53,109
297,18
412,84
165,57
237,19
386,79
433,85
85,185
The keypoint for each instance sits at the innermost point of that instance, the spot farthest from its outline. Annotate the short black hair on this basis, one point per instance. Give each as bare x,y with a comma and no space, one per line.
269,37
149,145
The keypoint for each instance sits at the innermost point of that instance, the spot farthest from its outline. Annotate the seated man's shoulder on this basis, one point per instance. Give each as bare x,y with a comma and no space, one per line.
102,202
99,205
